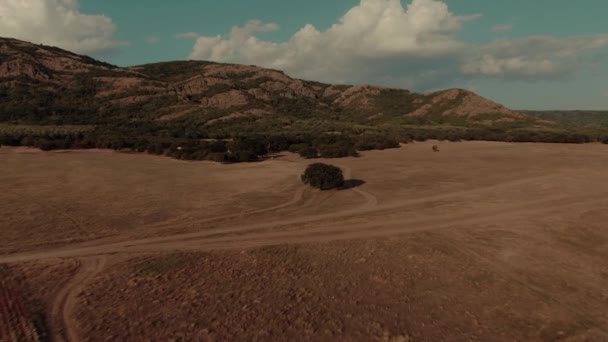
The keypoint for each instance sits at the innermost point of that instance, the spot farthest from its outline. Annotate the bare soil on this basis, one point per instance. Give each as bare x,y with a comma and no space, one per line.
34,287
481,241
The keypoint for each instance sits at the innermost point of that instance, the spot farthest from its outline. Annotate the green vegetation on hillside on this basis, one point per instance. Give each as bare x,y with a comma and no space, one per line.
587,118
92,104
172,71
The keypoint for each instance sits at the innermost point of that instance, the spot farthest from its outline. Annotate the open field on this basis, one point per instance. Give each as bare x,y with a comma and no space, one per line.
481,241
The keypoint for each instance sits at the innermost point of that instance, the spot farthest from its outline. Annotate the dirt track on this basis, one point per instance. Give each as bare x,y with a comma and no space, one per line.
473,194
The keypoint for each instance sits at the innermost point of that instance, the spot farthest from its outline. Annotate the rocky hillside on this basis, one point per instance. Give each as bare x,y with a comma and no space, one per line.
196,110
42,84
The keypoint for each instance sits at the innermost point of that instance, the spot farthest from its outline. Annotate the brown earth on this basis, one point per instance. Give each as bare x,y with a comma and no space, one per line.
481,241
35,287
15,323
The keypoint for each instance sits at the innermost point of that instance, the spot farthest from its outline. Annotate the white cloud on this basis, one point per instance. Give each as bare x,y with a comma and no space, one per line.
542,46
534,56
368,40
489,65
502,28
381,41
58,23
152,40
187,35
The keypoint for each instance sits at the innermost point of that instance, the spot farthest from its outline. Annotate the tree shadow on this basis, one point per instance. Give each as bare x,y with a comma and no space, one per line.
351,183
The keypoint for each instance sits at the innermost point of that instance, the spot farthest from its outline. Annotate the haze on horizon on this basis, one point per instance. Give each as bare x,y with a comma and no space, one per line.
524,54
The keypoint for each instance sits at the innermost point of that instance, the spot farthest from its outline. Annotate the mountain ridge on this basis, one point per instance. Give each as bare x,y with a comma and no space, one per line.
204,86
56,99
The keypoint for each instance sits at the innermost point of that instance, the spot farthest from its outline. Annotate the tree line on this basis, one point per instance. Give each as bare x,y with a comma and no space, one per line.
181,143
238,148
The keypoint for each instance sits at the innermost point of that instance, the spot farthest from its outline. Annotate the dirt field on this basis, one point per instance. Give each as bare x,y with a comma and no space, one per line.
481,241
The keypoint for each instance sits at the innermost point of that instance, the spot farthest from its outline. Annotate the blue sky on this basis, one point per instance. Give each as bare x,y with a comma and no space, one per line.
526,54
164,19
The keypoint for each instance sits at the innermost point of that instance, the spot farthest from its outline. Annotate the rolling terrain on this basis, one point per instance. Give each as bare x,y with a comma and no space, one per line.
65,88
481,241
576,118
196,110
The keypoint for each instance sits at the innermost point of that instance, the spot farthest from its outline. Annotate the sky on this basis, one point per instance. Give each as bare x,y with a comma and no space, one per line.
525,54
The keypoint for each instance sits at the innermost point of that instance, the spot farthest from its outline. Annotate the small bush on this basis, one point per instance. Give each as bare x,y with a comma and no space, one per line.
369,142
323,176
304,150
337,150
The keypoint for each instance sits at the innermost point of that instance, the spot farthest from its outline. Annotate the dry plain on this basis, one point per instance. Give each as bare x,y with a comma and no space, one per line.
481,241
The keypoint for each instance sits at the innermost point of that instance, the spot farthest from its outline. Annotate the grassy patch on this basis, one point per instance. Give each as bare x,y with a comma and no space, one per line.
44,129
158,266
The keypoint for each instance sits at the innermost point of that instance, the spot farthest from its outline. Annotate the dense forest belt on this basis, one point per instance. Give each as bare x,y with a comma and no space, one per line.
580,118
180,143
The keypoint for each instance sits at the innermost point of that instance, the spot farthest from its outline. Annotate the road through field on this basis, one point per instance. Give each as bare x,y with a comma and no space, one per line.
62,323
534,194
326,227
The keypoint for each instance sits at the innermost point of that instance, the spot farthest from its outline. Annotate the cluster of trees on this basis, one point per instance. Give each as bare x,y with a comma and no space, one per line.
339,145
30,101
189,146
581,118
323,176
455,133
237,150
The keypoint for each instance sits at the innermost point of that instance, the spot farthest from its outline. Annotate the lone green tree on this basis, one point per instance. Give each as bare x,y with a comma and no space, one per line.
323,176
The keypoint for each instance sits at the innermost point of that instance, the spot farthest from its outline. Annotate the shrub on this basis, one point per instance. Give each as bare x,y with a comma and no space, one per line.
323,176
155,148
243,156
369,142
337,150
217,157
304,150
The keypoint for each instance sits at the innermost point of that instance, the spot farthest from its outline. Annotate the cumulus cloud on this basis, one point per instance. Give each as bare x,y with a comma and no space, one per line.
58,23
381,41
517,67
502,28
369,39
535,57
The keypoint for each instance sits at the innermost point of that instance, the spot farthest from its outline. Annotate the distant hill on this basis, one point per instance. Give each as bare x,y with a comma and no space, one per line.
587,118
52,98
47,84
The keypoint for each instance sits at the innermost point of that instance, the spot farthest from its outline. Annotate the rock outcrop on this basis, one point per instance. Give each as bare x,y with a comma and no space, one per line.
185,88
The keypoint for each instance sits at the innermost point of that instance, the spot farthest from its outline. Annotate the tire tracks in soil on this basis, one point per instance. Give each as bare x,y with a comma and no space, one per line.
370,206
398,226
93,258
63,325
330,232
296,198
